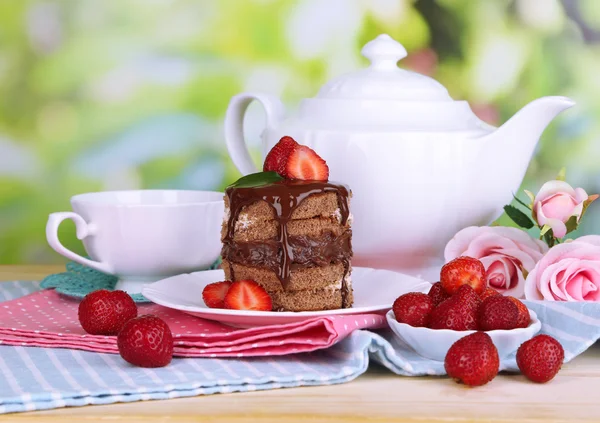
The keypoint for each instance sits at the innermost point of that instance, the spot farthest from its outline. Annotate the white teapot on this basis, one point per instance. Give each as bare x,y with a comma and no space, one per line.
421,165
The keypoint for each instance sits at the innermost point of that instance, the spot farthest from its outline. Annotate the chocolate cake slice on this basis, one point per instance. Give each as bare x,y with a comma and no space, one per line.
292,237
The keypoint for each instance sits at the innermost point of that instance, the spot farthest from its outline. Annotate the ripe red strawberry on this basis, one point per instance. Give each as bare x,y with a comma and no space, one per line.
413,309
498,312
456,313
473,360
524,318
306,165
248,295
213,294
467,295
277,158
437,294
489,292
104,312
540,358
146,341
463,271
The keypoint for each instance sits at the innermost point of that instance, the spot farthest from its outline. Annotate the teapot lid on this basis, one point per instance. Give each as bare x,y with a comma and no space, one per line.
383,79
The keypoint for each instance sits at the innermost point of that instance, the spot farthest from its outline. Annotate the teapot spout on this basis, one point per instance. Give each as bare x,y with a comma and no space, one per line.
508,150
520,134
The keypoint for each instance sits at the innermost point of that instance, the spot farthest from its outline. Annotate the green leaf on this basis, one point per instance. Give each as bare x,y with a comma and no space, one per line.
562,174
256,180
549,238
521,202
544,230
519,217
572,224
587,203
531,196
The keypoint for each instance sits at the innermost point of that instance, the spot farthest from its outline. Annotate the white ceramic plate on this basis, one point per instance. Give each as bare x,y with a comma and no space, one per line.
435,343
374,291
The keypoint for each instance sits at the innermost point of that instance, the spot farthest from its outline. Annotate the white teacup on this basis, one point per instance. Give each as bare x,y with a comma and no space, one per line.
143,236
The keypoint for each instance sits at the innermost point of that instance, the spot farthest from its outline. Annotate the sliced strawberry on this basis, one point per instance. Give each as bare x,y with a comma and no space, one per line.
214,294
307,165
277,158
248,295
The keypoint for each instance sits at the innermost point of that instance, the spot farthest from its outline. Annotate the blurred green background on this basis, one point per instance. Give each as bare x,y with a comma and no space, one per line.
118,94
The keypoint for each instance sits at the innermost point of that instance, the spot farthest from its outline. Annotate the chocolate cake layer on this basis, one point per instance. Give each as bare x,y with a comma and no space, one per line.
252,230
320,299
307,250
294,239
306,278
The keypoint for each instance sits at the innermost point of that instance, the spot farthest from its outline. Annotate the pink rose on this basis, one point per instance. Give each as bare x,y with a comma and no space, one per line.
590,239
554,205
505,253
568,272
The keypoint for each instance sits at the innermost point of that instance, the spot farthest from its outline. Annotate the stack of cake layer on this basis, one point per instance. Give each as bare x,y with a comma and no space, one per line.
318,243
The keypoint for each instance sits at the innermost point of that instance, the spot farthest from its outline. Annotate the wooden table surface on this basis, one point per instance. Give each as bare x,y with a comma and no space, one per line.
574,395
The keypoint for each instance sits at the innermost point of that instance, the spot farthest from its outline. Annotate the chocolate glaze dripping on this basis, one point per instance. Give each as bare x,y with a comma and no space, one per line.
284,197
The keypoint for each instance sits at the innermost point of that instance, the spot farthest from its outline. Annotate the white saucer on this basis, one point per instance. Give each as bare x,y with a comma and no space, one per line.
374,291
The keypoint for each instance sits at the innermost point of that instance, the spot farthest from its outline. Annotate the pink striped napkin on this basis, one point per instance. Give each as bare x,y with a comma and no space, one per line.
48,319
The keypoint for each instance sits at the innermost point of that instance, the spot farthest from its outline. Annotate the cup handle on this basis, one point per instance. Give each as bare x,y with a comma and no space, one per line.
83,230
234,126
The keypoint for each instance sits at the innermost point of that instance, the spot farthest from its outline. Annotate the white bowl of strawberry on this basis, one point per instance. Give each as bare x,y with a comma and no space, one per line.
457,306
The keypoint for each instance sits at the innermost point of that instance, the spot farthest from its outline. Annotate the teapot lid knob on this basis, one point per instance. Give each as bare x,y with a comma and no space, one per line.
384,52
384,79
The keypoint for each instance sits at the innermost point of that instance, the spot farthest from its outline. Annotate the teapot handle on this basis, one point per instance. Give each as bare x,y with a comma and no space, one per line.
234,126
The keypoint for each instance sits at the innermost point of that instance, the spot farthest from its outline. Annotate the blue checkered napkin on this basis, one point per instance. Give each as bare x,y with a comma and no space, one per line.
44,378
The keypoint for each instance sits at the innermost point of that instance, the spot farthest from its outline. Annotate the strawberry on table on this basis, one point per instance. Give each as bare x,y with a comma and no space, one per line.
413,309
437,294
104,312
248,295
473,360
463,271
277,158
214,294
306,165
540,358
146,341
498,312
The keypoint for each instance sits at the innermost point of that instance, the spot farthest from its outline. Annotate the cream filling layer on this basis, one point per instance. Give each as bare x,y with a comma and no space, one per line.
338,285
242,223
